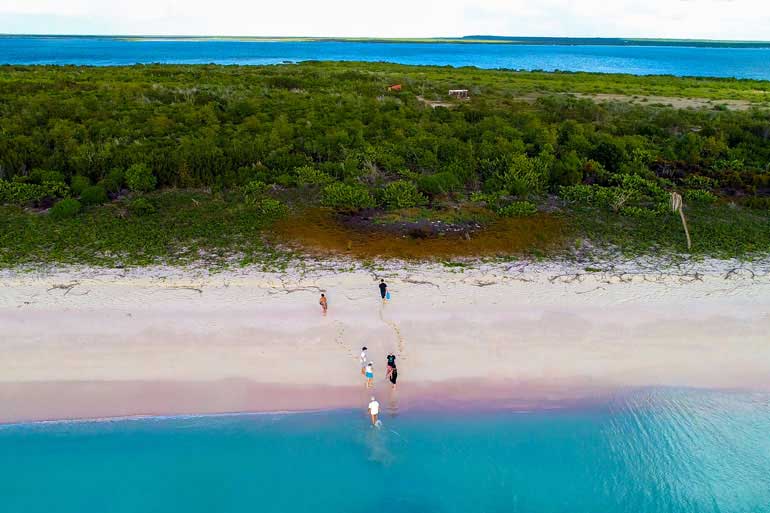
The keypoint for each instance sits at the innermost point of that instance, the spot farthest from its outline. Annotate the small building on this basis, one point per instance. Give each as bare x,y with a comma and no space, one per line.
394,87
459,93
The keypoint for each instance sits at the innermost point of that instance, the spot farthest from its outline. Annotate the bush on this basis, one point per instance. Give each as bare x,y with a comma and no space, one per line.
580,194
308,175
518,209
65,209
93,195
141,207
699,182
20,193
699,196
614,198
346,197
523,176
758,202
642,187
254,191
51,177
402,194
113,181
78,184
139,178
270,207
440,183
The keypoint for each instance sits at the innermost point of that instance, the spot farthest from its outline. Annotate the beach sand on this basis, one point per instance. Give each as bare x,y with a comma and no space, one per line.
85,343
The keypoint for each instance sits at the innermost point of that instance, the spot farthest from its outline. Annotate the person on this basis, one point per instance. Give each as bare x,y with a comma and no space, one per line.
363,360
374,410
323,303
393,377
391,364
383,289
369,375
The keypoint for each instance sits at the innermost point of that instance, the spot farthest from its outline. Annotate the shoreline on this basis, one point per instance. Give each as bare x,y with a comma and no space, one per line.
84,343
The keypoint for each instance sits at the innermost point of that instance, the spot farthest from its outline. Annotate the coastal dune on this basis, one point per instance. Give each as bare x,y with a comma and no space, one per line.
80,343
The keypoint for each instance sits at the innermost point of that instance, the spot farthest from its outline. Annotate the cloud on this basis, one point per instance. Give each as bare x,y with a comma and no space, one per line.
711,19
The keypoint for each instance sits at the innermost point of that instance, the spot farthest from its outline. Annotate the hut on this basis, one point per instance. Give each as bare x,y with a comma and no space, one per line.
459,93
394,87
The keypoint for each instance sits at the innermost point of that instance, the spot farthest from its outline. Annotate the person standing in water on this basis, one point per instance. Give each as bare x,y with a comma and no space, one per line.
369,375
363,360
383,289
323,303
374,410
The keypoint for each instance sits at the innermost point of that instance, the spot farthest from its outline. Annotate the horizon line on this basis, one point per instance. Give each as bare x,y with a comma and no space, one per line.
386,38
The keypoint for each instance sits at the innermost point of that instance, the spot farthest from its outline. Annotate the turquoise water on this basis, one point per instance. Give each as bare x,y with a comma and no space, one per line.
652,451
639,60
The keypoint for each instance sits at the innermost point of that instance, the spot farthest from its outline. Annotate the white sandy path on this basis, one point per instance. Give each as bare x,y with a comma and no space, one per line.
536,326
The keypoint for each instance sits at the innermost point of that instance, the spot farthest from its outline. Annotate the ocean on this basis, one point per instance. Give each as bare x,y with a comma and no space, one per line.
695,61
647,451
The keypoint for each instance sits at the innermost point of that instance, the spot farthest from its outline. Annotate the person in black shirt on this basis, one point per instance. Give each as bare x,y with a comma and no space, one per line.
383,289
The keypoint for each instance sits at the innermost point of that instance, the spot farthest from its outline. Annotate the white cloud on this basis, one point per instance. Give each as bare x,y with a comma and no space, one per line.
711,19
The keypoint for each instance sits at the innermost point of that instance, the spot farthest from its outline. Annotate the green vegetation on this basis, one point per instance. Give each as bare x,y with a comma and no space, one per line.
65,208
139,178
169,162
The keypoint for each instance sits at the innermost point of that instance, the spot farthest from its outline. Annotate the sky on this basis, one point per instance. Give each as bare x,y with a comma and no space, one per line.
681,19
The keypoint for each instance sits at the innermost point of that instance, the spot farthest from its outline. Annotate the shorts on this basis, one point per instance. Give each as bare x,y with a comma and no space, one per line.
369,375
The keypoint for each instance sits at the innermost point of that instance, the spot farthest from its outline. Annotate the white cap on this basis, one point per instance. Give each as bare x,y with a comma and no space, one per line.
373,398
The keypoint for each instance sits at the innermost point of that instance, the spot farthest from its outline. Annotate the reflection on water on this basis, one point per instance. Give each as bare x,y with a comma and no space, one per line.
675,451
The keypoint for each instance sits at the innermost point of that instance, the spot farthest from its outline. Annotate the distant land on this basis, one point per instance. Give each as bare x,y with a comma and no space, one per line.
471,39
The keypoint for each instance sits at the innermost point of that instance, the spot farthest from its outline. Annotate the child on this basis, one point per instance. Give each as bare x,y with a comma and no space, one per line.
369,375
323,303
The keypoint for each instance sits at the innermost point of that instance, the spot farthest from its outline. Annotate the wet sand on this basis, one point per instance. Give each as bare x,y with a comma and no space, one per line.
96,343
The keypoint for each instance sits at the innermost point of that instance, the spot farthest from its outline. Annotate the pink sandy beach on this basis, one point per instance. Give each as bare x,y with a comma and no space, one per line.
90,343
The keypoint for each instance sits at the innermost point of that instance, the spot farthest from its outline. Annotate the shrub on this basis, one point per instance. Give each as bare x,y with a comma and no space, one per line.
20,193
93,195
78,184
699,182
113,181
285,180
65,209
270,207
308,175
523,176
642,187
254,191
51,176
346,197
141,207
699,196
518,209
581,194
758,202
402,194
439,183
614,198
139,178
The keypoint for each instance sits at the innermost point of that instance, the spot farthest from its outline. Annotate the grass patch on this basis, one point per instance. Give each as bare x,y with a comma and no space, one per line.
185,226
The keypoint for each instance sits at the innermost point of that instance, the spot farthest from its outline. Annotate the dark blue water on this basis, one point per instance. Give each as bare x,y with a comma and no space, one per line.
639,60
671,451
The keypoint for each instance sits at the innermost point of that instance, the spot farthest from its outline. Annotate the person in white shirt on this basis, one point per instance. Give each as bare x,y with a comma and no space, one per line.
363,360
374,410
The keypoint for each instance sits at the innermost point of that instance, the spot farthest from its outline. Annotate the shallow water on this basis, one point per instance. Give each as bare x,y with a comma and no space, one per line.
661,450
638,60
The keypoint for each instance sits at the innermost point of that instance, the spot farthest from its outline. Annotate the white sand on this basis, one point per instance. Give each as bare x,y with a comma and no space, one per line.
546,327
